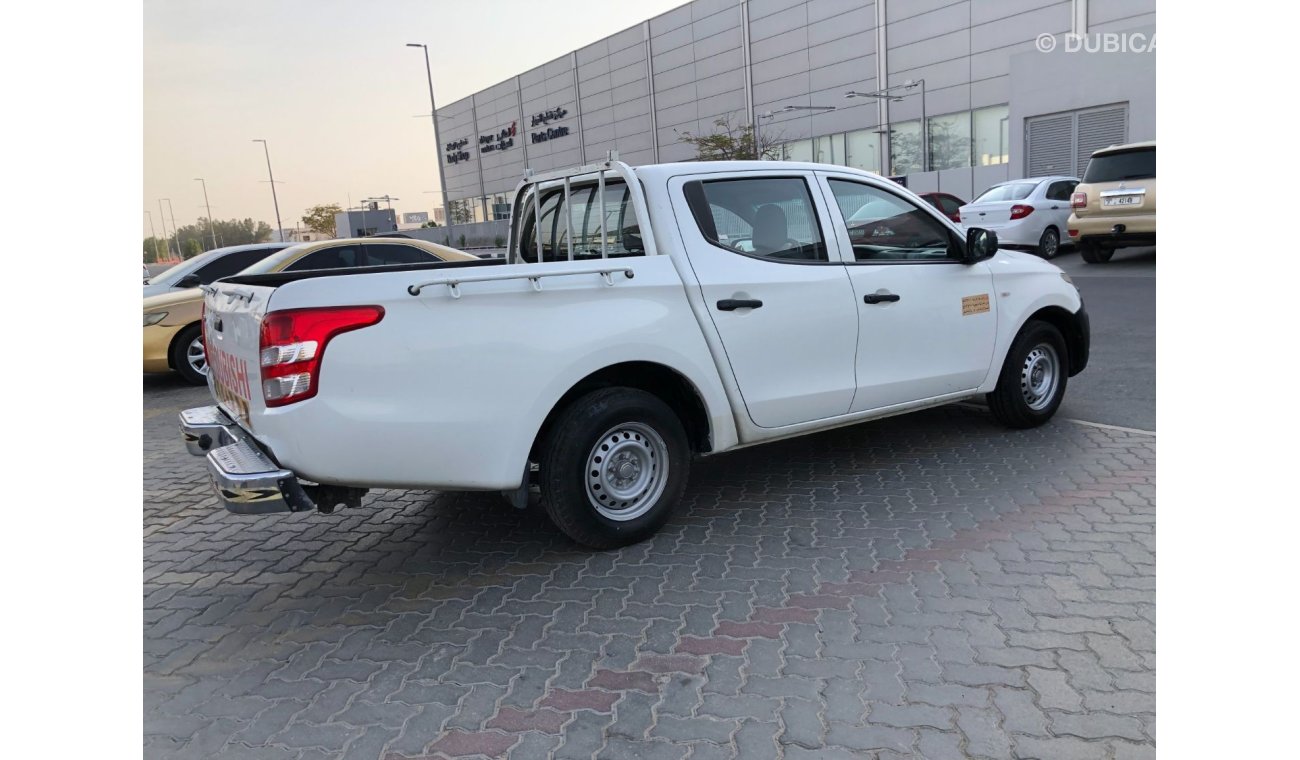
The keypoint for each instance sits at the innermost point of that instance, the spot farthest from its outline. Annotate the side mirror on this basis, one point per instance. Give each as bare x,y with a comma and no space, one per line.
980,244
189,281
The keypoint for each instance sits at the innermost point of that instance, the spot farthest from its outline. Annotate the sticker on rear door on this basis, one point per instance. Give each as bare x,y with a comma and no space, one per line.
974,304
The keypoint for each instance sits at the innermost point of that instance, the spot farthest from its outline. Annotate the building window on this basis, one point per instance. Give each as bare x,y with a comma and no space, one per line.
862,150
992,137
798,150
905,148
950,144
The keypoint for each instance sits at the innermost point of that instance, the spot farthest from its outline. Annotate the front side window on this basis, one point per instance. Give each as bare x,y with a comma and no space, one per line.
771,217
336,257
884,227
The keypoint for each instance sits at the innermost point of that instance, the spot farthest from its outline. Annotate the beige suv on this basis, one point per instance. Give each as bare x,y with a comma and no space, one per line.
1115,204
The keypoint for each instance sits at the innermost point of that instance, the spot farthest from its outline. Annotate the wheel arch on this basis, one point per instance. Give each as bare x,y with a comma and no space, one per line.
171,345
659,380
1070,327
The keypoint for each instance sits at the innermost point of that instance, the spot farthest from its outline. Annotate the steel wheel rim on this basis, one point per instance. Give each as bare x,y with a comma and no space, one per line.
1052,243
627,471
1039,376
196,355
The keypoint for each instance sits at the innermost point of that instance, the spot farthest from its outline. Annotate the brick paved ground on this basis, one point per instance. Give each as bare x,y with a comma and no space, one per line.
927,586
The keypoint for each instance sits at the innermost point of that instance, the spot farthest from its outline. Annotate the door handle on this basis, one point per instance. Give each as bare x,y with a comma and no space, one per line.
731,304
880,298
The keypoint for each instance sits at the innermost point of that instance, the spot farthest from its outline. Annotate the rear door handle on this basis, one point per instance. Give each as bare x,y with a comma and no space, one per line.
880,298
731,304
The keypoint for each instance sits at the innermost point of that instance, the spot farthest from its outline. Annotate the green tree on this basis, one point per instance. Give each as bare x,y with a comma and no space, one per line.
731,142
228,232
191,248
152,247
321,218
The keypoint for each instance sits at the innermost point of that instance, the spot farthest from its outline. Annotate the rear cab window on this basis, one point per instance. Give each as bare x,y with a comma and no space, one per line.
1135,163
582,218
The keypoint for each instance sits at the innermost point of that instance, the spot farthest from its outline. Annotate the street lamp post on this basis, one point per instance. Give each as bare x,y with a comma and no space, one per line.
175,230
163,221
887,95
212,227
783,109
157,254
433,109
274,199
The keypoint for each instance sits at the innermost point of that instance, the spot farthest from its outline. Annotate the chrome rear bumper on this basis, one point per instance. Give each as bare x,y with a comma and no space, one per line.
247,479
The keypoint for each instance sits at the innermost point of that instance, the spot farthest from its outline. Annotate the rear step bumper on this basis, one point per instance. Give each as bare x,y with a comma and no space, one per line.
247,479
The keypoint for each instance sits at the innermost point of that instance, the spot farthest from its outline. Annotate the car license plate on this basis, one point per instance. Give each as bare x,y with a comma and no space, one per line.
229,381
1122,200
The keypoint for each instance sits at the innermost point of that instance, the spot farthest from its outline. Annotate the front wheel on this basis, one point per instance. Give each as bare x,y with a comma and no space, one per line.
189,357
612,466
1033,378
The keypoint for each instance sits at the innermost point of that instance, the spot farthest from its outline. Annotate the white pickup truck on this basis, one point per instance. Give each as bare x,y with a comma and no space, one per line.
653,315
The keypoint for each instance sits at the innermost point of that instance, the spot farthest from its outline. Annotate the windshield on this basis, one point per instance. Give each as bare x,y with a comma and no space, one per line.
1012,191
275,261
1128,164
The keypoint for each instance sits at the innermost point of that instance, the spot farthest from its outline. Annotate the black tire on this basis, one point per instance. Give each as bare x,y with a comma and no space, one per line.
179,355
1095,254
1015,402
569,488
1049,244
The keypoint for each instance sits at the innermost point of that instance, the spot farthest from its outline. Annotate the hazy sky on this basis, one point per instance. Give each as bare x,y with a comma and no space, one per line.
333,89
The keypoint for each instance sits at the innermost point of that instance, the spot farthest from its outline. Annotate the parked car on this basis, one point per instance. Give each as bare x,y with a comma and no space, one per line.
621,337
1028,214
1115,205
948,204
209,266
173,338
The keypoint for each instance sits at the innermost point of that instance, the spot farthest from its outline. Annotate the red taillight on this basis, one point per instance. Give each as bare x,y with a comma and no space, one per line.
293,342
1020,211
1074,233
1079,200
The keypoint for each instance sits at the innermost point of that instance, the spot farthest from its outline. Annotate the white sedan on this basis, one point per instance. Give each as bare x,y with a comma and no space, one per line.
1025,213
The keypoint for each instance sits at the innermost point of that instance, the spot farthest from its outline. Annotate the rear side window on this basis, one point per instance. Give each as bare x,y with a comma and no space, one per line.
337,257
1139,163
769,217
582,216
949,204
1060,191
232,263
1011,191
378,255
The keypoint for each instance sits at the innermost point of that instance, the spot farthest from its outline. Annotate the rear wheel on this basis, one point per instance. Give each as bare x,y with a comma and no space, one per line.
612,466
1095,254
1033,378
1050,243
189,356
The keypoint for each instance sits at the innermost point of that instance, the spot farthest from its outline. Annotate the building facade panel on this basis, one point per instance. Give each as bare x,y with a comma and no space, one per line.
983,80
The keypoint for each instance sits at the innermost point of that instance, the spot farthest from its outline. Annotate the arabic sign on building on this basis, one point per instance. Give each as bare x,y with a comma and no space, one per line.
546,117
499,141
455,152
415,217
550,134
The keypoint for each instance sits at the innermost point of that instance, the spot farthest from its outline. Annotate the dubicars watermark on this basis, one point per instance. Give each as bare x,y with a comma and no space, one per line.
1102,42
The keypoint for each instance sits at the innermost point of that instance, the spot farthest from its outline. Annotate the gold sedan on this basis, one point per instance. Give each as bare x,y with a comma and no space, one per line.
173,339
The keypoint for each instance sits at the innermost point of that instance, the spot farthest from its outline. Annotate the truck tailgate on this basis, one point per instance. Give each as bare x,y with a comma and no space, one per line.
232,324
